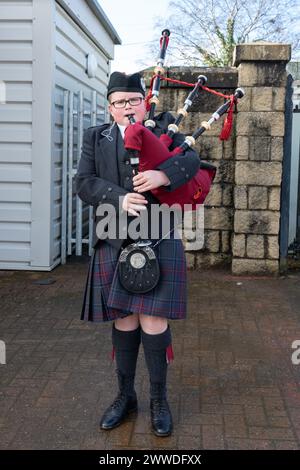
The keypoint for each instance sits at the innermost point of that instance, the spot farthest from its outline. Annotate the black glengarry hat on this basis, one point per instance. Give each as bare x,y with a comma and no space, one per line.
119,81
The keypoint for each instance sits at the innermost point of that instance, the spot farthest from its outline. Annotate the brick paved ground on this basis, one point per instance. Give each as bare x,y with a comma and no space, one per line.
232,384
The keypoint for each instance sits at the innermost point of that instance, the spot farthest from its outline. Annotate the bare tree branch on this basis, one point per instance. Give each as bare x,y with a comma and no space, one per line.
206,31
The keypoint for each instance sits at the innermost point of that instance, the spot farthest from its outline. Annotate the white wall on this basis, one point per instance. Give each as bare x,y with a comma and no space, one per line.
16,56
72,47
43,48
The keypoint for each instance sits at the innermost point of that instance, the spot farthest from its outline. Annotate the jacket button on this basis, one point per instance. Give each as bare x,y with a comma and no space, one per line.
127,162
176,162
127,178
104,196
182,168
109,189
187,175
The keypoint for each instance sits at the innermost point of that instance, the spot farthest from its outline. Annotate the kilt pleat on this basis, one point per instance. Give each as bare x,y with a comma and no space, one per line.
98,284
87,296
105,299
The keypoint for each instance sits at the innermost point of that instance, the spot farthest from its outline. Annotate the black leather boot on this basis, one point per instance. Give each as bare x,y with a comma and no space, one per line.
155,349
161,418
126,347
122,406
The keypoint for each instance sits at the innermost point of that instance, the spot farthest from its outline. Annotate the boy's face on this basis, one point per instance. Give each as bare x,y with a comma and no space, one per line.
137,108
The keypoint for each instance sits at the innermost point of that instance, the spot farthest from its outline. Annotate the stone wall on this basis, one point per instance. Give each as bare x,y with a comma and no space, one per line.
242,211
259,136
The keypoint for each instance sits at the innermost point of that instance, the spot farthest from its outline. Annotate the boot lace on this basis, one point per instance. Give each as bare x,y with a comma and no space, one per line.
160,406
119,401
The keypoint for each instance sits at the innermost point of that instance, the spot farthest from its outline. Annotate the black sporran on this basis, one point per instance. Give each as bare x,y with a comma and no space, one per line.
138,267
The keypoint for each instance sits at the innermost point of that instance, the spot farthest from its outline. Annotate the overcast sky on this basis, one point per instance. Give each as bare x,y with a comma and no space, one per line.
134,22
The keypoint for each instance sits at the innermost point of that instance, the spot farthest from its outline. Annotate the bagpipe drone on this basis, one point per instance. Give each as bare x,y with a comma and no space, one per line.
147,151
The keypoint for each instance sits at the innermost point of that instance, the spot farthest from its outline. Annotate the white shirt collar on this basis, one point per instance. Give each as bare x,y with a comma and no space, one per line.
122,130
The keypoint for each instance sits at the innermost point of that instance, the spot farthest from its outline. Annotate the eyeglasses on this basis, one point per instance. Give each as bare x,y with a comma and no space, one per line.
136,101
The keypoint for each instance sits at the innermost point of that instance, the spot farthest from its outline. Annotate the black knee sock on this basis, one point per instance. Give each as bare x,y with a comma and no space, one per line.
126,348
158,351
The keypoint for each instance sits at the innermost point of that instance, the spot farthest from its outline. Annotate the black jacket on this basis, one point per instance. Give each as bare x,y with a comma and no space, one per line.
104,174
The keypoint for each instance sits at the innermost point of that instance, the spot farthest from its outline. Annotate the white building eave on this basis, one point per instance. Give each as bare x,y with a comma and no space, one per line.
80,19
97,10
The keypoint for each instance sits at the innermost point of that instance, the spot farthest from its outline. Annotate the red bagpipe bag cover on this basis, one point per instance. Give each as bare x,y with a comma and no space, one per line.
154,151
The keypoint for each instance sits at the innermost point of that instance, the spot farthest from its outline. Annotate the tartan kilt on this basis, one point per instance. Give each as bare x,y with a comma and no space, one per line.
105,299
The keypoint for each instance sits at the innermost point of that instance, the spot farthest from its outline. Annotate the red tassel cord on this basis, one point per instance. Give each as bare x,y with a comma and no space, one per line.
166,140
113,354
161,41
169,354
227,125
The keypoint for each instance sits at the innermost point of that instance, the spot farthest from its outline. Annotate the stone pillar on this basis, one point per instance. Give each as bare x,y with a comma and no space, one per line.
258,156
